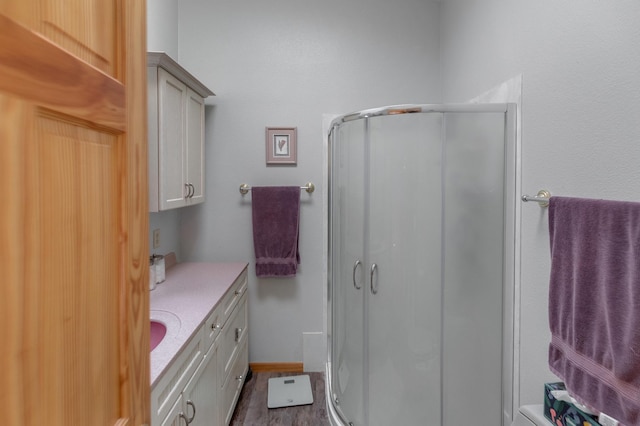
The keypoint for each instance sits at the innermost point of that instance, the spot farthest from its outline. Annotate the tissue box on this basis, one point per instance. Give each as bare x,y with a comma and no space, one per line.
562,413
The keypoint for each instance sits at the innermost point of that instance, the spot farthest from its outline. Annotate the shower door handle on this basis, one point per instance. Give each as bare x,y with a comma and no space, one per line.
355,268
374,273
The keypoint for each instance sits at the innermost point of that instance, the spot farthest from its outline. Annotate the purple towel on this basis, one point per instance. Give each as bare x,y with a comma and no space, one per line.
594,303
276,219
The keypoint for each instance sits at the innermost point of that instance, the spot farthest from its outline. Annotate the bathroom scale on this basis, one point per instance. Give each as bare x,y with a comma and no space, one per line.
289,391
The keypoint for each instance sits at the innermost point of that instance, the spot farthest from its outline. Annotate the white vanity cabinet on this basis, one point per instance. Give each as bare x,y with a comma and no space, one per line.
201,394
233,358
167,400
176,134
201,385
195,403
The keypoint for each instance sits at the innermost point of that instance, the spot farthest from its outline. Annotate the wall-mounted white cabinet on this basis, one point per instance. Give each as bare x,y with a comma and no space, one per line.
176,134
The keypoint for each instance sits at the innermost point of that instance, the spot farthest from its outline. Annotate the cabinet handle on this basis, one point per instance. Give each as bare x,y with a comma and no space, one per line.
240,378
215,327
237,292
191,190
374,271
238,334
192,405
183,417
355,268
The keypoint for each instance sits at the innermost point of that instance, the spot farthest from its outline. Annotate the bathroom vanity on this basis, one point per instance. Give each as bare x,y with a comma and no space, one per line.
199,366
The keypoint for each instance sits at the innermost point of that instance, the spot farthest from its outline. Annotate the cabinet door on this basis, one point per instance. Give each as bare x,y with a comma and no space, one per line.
172,100
73,228
176,416
200,396
195,147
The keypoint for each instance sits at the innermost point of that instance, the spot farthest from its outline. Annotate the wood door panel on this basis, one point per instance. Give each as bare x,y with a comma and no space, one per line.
88,29
36,69
74,246
72,273
85,29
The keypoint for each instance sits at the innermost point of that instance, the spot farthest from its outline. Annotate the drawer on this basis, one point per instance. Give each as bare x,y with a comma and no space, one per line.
170,385
233,384
234,333
235,293
213,326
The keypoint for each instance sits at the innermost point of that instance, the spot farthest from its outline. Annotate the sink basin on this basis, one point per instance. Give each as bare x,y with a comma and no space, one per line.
158,331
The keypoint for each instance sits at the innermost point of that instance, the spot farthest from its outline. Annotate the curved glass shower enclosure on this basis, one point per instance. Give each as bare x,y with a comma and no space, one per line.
421,265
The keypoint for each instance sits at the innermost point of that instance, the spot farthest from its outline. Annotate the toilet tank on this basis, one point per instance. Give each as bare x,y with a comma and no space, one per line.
530,415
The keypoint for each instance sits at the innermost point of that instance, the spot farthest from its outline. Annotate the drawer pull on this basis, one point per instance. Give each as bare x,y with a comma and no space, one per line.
215,327
192,405
240,378
355,268
238,334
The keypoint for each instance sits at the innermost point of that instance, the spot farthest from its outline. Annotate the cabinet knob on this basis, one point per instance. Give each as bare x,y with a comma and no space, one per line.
238,334
215,326
240,378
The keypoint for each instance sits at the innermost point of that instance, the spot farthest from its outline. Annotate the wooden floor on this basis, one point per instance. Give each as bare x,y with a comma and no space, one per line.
252,410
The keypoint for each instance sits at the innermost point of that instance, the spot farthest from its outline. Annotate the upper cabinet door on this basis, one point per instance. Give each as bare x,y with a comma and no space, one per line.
195,147
172,150
176,135
73,245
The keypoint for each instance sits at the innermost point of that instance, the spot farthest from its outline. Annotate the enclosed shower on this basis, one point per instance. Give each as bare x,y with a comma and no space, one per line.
422,237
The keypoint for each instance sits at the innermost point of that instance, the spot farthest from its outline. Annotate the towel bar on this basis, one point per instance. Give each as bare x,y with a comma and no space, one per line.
309,187
542,197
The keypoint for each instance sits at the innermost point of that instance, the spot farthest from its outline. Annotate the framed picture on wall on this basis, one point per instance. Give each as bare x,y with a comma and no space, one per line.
281,145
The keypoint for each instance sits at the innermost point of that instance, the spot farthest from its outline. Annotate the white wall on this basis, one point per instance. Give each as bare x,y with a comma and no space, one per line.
285,63
580,63
162,27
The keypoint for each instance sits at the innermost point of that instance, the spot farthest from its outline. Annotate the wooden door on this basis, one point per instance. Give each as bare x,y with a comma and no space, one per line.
74,303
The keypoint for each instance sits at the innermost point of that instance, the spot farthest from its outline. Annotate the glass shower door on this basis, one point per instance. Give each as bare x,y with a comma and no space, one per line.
347,274
422,246
473,244
404,296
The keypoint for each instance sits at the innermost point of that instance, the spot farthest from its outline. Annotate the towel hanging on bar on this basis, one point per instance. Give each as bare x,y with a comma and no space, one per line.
593,303
276,225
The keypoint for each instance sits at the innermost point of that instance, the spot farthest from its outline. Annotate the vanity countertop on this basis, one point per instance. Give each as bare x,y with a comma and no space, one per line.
183,301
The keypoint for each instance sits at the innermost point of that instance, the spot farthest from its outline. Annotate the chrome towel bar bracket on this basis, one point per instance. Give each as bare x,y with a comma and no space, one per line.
542,198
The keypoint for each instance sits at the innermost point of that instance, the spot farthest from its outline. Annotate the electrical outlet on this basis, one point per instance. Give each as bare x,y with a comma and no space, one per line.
156,238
